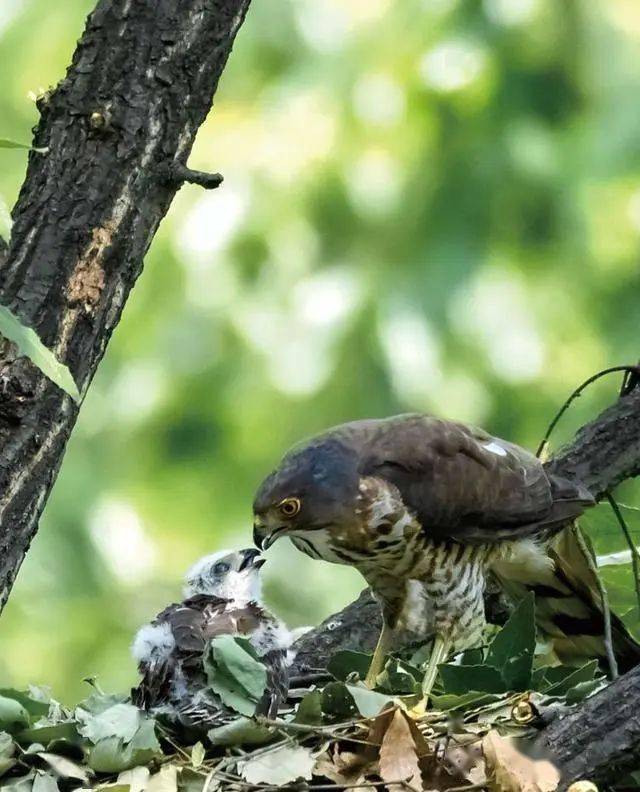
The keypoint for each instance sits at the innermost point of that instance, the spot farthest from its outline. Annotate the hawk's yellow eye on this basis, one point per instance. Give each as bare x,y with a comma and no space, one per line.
289,507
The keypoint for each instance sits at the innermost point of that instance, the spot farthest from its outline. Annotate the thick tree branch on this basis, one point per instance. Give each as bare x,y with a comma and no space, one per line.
600,739
606,451
141,82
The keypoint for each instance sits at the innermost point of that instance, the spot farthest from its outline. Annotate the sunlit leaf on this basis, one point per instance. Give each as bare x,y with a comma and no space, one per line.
36,700
64,767
111,755
13,716
29,345
119,720
281,766
136,778
368,702
197,755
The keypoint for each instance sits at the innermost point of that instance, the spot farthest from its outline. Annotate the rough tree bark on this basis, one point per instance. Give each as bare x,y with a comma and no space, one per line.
117,132
600,738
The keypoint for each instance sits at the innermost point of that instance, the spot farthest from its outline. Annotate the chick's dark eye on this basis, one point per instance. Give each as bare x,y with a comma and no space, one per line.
220,568
289,507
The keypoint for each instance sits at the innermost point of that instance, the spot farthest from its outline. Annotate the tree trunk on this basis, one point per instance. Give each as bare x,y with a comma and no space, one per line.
117,133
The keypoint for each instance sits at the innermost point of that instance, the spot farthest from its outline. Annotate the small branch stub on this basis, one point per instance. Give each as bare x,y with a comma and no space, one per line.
178,174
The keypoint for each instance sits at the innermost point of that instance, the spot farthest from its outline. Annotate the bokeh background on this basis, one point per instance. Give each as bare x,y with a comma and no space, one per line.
428,205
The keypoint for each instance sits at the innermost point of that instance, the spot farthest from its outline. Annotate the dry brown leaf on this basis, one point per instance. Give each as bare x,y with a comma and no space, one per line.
379,726
508,770
344,767
398,753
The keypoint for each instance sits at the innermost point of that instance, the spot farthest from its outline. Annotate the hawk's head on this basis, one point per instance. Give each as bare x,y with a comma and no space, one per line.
233,576
314,488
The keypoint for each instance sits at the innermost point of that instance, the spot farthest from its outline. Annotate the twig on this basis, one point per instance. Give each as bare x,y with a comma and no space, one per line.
635,555
604,597
177,173
302,680
633,370
322,731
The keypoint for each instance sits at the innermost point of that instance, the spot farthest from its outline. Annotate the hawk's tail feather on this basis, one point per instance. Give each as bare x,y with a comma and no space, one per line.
569,609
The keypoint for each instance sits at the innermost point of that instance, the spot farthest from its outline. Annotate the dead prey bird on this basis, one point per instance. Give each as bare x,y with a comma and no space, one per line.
222,597
428,510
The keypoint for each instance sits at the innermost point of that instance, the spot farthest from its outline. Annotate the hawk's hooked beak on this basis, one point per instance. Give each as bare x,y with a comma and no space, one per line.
263,538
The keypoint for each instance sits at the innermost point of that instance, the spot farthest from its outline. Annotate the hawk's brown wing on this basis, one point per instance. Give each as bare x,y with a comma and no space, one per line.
465,485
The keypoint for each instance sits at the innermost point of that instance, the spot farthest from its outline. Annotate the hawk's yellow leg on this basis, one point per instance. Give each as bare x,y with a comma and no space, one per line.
381,651
439,653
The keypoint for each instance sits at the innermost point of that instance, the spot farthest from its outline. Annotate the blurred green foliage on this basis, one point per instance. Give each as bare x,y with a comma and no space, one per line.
428,205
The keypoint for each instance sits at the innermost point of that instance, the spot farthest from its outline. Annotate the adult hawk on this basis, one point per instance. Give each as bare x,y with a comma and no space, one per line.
427,510
222,597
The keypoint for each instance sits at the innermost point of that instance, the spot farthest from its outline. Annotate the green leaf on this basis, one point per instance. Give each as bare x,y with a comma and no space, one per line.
511,651
45,734
401,678
191,781
337,701
20,784
36,700
165,780
64,767
368,702
280,766
346,662
97,703
13,716
13,144
135,779
458,679
44,782
310,709
580,691
111,755
235,675
30,345
241,731
119,720
448,702
197,755
472,657
561,679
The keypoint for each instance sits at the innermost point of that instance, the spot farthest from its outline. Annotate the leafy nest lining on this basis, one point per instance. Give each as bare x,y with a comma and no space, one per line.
479,734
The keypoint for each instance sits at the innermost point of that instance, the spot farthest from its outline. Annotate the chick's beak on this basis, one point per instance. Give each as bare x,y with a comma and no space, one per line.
251,558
